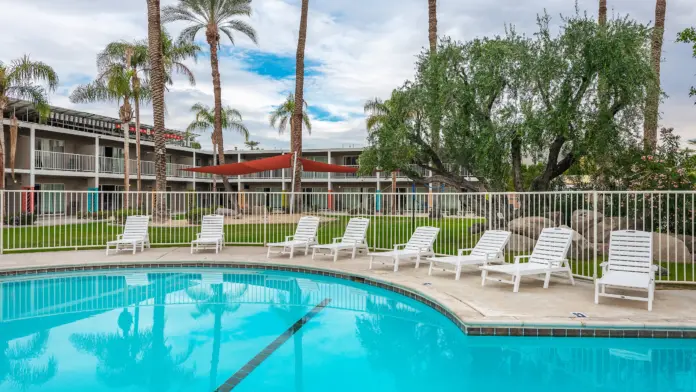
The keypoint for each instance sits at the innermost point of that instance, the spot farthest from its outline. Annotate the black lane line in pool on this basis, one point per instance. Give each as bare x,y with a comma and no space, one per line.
242,373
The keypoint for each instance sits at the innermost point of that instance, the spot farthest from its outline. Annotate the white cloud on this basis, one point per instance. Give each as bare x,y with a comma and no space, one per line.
365,48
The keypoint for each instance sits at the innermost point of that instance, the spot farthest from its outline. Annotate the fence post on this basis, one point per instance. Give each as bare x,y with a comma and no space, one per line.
595,211
2,220
265,218
490,210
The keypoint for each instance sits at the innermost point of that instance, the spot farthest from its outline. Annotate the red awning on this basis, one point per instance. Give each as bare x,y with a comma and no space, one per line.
272,163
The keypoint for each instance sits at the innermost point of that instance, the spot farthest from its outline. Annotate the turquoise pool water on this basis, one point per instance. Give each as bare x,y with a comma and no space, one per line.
250,331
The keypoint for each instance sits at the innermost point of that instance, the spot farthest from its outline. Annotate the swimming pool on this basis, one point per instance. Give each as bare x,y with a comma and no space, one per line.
244,330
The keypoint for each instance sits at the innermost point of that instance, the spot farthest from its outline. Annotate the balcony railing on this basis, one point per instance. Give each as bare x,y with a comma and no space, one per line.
48,160
147,168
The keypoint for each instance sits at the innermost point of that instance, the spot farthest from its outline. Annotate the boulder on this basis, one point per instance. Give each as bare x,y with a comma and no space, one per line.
609,224
670,249
226,211
477,228
689,241
519,243
556,217
580,247
582,221
530,226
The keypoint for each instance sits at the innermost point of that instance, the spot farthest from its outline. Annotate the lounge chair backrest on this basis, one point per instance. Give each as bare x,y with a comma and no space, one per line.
212,226
492,241
307,228
356,230
630,251
136,227
553,244
422,239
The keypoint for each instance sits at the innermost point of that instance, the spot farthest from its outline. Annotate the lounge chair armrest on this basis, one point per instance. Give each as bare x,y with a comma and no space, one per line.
198,235
397,246
119,237
654,268
289,237
493,255
461,251
517,258
337,239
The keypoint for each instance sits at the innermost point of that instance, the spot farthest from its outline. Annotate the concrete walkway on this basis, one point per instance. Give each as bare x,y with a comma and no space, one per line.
494,304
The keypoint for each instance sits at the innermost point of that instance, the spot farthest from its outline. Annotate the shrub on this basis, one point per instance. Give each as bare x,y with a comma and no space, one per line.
120,216
195,216
23,219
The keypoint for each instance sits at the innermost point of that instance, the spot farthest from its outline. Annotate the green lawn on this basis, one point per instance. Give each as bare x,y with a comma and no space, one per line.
383,233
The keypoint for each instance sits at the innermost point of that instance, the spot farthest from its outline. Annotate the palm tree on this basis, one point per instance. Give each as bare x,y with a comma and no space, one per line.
216,302
157,80
122,53
253,145
214,17
377,112
298,112
205,119
602,19
114,85
17,365
435,121
652,104
20,80
282,115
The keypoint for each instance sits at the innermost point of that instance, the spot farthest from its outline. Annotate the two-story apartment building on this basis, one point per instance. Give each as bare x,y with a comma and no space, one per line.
78,151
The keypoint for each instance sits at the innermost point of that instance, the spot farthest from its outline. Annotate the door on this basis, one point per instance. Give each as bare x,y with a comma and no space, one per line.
52,199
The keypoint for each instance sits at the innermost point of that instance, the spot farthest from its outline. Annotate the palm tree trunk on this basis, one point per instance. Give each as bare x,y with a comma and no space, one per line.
652,104
602,19
126,157
154,35
211,35
136,85
435,121
2,147
432,25
299,97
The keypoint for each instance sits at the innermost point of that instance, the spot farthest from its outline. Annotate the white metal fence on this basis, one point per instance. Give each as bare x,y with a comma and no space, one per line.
46,220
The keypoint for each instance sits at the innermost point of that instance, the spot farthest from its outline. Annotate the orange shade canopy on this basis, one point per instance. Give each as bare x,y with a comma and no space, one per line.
272,163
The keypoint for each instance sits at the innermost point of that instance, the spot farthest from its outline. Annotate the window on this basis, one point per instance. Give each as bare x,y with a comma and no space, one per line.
50,145
350,161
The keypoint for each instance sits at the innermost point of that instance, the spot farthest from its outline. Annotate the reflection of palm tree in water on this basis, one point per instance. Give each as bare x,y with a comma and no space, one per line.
15,366
397,343
290,308
138,358
217,301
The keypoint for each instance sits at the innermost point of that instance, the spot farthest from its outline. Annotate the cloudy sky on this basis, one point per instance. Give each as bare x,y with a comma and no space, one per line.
356,50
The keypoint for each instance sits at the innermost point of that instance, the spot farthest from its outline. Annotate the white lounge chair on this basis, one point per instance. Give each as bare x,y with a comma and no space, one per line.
134,234
630,265
305,236
352,240
488,249
549,256
420,245
211,235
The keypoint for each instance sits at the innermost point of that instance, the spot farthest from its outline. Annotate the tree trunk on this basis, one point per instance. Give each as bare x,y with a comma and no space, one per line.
136,88
652,103
299,96
213,37
602,19
432,25
154,34
516,151
435,121
125,127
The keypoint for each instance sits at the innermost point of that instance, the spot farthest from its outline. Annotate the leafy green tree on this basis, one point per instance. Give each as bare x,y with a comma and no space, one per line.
282,116
688,36
507,97
215,17
22,79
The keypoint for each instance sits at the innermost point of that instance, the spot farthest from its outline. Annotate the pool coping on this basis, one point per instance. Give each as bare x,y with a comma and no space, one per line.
470,327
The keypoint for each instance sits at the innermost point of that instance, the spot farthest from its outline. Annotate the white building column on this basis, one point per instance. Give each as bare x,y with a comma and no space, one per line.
239,179
96,162
194,173
32,156
330,188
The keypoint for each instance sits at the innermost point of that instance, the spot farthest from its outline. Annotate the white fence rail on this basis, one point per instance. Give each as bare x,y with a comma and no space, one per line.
49,220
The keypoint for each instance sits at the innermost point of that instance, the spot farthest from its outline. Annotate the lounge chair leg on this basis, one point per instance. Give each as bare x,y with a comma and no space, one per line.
484,276
430,270
547,279
335,255
396,263
570,276
458,272
417,261
314,252
107,249
355,250
517,279
135,247
651,296
292,250
191,248
371,258
306,249
268,255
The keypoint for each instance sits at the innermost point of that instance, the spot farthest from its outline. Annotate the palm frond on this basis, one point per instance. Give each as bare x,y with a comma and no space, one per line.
307,122
25,71
198,126
93,92
189,34
181,69
242,27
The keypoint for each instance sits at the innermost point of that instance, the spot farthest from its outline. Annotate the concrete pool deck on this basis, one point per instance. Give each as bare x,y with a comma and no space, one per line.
494,305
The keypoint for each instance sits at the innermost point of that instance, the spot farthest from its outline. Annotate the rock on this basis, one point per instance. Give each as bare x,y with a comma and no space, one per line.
582,221
477,228
520,243
226,212
556,217
670,249
689,241
530,226
580,247
254,210
609,224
